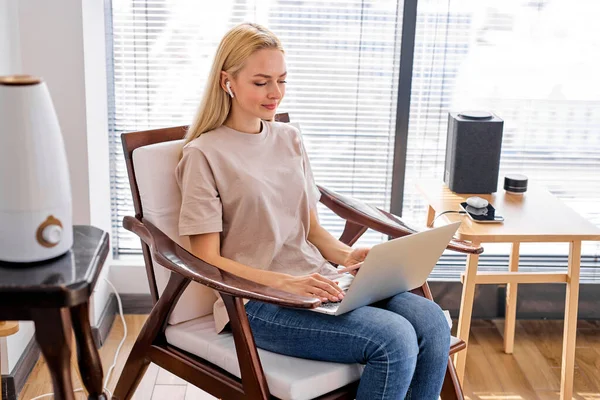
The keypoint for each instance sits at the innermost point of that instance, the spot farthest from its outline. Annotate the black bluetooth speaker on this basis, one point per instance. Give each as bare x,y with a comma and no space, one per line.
473,150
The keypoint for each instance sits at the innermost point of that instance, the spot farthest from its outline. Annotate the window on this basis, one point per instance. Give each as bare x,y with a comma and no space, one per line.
534,64
530,62
342,85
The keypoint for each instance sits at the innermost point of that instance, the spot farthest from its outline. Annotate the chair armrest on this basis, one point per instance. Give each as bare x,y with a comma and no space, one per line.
174,257
364,214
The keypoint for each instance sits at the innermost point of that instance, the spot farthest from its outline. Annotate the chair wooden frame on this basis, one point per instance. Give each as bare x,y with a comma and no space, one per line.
151,344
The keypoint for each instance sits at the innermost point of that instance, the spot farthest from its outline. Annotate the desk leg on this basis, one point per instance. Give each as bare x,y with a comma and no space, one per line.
430,216
511,302
570,327
53,334
466,309
88,359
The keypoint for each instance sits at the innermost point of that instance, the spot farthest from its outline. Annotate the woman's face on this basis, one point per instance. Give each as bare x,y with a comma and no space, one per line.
260,85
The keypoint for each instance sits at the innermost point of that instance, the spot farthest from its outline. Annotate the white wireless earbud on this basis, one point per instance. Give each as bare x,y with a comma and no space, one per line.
229,88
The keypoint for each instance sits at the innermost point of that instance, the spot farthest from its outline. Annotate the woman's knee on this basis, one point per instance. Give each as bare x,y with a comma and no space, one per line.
394,339
439,320
434,331
426,315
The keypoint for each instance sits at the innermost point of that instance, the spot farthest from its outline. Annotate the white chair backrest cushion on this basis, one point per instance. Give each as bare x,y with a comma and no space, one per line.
154,167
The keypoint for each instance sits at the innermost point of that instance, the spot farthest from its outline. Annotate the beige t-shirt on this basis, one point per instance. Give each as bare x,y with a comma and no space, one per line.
256,189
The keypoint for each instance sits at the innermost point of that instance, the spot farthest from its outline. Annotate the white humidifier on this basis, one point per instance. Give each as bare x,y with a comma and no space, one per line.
35,192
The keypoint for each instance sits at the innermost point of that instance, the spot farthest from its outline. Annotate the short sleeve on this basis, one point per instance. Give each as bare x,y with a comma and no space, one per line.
201,208
314,194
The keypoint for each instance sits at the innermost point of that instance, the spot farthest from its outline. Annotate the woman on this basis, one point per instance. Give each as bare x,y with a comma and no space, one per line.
249,205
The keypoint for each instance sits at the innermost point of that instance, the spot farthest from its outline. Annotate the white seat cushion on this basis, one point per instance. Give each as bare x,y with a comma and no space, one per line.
453,340
289,378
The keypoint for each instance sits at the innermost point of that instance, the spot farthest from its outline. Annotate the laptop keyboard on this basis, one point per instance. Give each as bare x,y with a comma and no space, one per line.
344,284
331,304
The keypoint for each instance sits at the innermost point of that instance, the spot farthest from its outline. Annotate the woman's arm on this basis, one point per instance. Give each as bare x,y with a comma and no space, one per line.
206,246
331,248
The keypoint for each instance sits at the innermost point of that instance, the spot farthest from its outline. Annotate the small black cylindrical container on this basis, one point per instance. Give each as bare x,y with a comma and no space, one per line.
473,147
515,183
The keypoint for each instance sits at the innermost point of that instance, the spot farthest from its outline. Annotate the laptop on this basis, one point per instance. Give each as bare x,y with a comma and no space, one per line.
391,267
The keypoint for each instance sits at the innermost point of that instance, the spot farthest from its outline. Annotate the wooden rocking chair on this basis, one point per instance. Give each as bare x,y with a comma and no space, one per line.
179,333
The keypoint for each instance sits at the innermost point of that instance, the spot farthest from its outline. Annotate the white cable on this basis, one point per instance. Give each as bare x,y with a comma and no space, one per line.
122,340
110,369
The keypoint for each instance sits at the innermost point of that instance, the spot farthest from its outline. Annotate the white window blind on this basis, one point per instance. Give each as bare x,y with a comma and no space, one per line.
534,64
342,60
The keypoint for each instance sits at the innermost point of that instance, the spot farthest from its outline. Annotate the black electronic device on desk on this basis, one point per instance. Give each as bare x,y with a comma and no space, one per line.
480,210
473,149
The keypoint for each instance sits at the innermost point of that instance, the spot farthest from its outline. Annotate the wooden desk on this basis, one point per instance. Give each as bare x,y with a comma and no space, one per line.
535,216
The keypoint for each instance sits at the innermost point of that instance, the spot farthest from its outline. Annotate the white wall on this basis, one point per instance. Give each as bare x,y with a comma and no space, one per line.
10,63
129,276
10,56
96,100
16,344
63,41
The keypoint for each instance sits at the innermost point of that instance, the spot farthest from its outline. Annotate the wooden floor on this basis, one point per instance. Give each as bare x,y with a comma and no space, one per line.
532,372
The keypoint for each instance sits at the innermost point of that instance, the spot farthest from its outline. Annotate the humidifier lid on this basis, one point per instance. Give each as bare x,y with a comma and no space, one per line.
19,80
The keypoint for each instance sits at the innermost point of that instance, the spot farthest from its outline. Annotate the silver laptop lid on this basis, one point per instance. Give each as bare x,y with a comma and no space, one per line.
396,266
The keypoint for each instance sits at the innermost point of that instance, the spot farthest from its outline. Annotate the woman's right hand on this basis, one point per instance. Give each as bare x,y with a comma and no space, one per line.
314,285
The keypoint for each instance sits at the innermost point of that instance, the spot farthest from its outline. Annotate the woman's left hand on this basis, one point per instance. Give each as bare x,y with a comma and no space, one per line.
356,256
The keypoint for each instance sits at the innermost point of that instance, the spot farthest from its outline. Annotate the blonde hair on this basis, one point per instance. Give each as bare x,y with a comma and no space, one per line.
236,46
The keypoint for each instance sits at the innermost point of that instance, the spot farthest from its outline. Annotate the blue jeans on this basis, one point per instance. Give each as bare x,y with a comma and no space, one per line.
403,341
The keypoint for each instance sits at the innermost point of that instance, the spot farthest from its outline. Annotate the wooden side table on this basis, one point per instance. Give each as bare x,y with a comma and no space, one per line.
535,216
55,295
